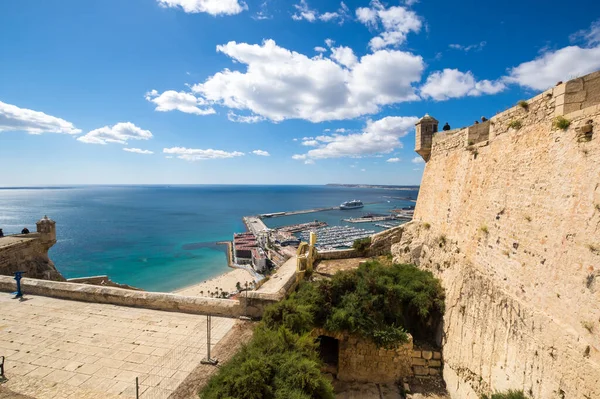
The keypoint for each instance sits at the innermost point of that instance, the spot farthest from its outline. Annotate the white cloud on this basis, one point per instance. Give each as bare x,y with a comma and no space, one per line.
13,118
263,13
410,2
378,137
120,133
452,83
309,162
589,36
417,160
192,154
396,23
280,84
232,116
393,160
468,48
341,130
320,49
344,56
261,153
138,151
311,143
553,66
363,170
171,100
212,7
304,12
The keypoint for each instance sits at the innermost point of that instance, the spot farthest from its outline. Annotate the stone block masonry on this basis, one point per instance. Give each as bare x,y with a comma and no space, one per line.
511,225
359,359
29,253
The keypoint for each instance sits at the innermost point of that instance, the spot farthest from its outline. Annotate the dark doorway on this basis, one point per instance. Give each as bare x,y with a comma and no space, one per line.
329,353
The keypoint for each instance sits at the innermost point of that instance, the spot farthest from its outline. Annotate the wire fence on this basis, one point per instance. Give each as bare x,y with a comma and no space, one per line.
168,372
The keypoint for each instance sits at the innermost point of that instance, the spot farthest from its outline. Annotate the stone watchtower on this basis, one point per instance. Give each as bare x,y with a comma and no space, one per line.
47,230
425,129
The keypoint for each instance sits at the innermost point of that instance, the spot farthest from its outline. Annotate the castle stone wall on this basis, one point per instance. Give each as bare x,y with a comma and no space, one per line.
28,253
511,225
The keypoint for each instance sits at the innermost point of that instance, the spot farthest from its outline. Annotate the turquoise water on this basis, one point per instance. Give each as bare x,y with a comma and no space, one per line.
161,238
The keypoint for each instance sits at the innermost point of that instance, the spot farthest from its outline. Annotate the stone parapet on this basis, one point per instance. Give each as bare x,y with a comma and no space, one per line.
123,297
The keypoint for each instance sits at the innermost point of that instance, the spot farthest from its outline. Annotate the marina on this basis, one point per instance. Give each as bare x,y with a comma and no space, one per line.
337,236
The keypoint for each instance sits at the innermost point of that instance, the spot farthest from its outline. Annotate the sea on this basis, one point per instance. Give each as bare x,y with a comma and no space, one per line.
162,238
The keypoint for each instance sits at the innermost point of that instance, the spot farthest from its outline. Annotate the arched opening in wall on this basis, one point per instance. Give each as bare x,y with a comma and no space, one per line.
329,349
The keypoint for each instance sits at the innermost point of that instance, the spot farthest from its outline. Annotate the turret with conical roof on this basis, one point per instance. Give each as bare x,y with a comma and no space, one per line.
425,129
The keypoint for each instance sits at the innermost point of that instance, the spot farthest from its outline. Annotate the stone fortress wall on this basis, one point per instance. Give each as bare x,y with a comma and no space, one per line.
29,253
508,216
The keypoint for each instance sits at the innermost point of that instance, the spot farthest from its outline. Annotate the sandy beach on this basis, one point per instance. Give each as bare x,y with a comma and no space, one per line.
226,281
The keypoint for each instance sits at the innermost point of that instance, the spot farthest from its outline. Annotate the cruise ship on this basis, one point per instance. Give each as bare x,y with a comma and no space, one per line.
354,204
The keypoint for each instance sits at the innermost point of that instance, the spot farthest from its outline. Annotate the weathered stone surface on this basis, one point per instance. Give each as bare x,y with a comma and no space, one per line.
515,316
57,349
427,355
361,360
123,297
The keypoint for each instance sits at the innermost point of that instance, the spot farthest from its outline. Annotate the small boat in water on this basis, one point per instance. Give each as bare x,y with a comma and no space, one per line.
354,204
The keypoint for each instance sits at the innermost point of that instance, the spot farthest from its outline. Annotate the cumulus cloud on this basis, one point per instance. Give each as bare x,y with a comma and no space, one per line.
193,154
452,83
393,160
553,66
261,153
120,133
171,100
13,118
476,47
320,49
304,12
311,143
212,7
394,22
280,84
417,160
138,151
378,137
344,56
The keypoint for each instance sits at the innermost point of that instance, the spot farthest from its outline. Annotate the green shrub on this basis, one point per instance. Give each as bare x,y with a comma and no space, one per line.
275,364
515,124
507,395
523,104
362,245
561,123
378,302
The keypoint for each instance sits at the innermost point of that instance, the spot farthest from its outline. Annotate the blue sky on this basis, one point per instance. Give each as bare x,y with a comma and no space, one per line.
261,92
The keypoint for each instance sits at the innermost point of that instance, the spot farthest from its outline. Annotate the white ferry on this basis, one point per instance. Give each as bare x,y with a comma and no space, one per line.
354,204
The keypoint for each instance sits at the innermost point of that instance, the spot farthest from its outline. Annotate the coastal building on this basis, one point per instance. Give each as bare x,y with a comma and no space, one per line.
243,244
259,260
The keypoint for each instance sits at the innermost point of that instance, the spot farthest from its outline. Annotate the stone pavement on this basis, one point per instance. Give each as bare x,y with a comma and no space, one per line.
57,348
